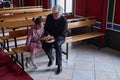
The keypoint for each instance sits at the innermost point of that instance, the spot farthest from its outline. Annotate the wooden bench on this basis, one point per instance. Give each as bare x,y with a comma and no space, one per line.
17,49
21,50
81,23
13,17
37,14
86,22
81,19
24,16
80,37
27,7
13,11
15,24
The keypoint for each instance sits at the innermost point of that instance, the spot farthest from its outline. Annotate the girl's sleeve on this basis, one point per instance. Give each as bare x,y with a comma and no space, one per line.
29,37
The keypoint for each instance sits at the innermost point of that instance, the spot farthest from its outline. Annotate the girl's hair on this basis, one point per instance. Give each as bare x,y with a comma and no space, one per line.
37,20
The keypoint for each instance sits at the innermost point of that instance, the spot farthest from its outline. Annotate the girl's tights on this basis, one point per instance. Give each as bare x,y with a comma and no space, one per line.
31,59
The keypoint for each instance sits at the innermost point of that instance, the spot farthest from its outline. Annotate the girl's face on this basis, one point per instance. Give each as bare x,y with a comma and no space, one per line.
39,25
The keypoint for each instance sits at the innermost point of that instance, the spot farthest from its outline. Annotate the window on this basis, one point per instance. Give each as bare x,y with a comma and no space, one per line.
66,4
61,3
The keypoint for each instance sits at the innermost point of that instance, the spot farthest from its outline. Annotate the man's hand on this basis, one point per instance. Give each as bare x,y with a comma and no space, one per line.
48,37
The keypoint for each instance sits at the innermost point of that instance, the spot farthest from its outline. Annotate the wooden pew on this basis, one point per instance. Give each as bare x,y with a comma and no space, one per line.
70,39
27,7
81,19
86,22
13,17
70,16
18,50
16,24
22,23
25,16
83,37
13,25
37,14
81,23
13,11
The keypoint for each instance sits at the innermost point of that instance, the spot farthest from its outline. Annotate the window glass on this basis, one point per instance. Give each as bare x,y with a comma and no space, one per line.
61,3
68,6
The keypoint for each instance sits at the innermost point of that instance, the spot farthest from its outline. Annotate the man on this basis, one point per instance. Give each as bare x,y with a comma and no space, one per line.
56,26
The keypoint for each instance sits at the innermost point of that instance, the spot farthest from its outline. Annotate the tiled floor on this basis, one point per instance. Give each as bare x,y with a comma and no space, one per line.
84,63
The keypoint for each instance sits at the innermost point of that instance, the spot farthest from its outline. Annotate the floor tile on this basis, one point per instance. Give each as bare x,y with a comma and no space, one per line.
84,65
106,75
83,75
104,67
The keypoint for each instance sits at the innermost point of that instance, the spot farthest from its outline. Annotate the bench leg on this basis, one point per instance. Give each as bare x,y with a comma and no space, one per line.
6,47
22,61
3,32
2,46
67,51
16,57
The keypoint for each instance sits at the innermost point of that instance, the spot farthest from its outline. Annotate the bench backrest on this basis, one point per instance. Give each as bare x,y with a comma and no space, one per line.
16,24
20,10
18,33
81,23
25,15
71,16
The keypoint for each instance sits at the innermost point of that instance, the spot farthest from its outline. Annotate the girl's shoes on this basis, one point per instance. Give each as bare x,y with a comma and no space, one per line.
27,62
35,66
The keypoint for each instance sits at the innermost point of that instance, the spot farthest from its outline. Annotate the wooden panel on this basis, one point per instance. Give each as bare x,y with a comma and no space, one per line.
117,12
24,16
20,50
111,10
16,24
26,2
94,8
18,33
11,11
46,4
81,7
16,3
81,23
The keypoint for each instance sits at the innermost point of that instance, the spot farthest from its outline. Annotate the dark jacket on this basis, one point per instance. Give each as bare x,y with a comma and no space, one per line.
56,28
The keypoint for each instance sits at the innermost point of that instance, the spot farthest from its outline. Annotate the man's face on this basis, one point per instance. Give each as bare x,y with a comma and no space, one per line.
56,16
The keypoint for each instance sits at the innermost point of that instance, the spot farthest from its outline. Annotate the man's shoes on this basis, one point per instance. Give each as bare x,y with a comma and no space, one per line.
59,69
50,63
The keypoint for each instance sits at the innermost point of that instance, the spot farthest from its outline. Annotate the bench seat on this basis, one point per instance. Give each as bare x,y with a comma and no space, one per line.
83,37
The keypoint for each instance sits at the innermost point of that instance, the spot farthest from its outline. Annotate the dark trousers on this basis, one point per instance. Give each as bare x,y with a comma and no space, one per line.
57,46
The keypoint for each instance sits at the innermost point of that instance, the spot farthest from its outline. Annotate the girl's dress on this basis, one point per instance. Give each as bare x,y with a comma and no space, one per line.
33,40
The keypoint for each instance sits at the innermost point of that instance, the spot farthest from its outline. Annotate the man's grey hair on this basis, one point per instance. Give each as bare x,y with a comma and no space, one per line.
57,9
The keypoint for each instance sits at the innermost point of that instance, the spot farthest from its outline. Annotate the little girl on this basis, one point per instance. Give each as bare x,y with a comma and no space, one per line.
33,42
